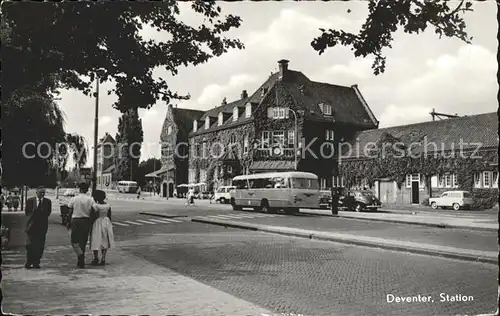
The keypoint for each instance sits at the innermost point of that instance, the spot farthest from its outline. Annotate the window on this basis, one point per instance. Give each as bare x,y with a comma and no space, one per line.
229,169
337,181
192,175
248,110
265,140
232,139
495,179
278,113
326,108
195,125
235,114
221,119
300,183
169,130
205,149
323,183
245,144
279,137
207,122
291,138
477,180
329,134
486,179
203,175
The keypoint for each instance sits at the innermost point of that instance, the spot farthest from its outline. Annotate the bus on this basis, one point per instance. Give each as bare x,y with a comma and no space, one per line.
271,192
127,186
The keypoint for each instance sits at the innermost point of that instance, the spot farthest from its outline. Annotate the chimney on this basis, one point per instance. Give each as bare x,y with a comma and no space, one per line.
283,66
244,94
224,101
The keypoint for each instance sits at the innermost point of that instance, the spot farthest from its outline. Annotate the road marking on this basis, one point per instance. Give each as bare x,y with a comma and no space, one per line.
133,223
120,224
165,220
145,222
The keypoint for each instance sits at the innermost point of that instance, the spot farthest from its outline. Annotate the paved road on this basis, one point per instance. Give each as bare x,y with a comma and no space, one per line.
293,275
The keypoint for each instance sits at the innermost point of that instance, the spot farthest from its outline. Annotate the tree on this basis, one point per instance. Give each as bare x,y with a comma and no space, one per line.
129,140
145,167
386,17
33,129
72,41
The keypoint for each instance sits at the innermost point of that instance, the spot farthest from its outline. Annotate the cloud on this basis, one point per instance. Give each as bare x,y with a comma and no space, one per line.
401,115
213,93
105,120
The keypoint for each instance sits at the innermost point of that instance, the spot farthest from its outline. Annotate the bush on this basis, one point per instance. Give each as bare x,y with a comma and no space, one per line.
484,198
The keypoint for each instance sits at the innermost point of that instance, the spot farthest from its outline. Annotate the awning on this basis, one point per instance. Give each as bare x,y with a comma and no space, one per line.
158,173
273,165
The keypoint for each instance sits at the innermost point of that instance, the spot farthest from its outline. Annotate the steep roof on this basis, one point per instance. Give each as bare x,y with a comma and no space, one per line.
184,117
446,134
106,139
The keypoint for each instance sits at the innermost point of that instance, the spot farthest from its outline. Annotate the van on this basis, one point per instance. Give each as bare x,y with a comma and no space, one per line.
223,194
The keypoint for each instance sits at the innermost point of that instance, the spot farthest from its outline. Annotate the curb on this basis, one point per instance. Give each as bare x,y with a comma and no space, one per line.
440,225
325,237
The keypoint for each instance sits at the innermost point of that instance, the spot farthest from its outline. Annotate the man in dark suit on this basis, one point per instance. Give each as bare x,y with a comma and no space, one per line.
37,210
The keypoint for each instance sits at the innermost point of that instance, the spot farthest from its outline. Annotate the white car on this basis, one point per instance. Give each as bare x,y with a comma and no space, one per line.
222,195
69,192
454,199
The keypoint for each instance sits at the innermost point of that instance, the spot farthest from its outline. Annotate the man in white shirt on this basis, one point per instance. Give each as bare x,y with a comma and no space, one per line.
80,209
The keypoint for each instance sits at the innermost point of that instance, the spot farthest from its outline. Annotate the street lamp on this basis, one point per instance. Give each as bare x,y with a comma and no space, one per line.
296,135
96,123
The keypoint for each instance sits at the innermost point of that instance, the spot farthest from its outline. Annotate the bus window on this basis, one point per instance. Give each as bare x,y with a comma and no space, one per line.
301,183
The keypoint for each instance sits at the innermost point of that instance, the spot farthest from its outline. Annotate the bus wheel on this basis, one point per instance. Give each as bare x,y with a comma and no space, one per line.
222,200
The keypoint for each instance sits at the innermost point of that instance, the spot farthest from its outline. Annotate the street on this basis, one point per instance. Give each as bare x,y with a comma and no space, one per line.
259,272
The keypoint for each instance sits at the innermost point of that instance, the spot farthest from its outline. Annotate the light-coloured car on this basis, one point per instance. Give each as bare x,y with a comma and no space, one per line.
69,192
223,194
453,199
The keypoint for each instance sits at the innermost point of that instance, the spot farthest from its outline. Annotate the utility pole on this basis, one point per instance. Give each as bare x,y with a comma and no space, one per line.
96,123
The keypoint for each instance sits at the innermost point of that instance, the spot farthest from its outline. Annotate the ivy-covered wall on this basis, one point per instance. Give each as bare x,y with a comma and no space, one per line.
231,156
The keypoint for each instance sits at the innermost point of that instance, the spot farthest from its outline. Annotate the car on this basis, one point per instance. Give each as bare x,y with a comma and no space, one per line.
325,200
453,199
69,192
223,194
359,200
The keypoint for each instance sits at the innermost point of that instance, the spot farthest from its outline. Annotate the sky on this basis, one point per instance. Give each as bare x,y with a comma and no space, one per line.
422,73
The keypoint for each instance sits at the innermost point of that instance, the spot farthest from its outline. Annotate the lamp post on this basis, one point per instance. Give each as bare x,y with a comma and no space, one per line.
96,123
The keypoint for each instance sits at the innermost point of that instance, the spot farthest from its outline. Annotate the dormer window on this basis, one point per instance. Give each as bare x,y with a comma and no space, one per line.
207,122
169,130
221,119
248,110
235,114
263,91
195,125
326,108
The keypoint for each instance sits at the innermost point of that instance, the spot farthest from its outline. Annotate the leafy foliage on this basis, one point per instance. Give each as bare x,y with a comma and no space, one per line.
129,140
65,41
386,17
32,120
145,167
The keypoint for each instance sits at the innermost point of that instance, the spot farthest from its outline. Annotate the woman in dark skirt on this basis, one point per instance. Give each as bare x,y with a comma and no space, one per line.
81,208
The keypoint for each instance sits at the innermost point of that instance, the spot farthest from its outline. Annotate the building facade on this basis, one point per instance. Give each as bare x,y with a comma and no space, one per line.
174,148
408,164
288,123
106,149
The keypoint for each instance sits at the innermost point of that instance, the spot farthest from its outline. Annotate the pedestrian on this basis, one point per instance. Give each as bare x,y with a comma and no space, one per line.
37,210
138,192
81,209
8,201
101,237
190,196
335,201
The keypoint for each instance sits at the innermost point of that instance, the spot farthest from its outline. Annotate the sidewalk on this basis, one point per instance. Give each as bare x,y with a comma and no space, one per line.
383,243
127,285
475,223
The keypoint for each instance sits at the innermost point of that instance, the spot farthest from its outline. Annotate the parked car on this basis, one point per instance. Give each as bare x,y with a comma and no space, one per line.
453,199
69,192
223,194
359,200
325,200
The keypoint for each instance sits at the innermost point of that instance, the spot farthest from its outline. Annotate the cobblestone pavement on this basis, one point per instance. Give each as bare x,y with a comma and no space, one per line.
291,275
128,285
466,239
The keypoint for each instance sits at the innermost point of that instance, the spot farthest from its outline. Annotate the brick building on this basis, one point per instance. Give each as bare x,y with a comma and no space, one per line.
105,161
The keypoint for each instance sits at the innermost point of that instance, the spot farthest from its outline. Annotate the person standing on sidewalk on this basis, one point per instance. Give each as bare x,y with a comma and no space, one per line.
81,207
37,210
335,201
101,237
